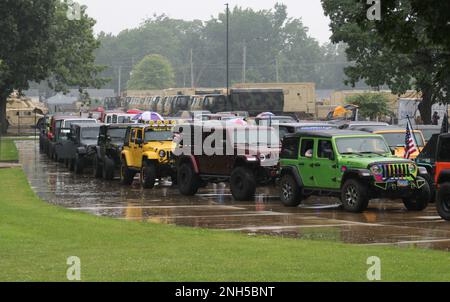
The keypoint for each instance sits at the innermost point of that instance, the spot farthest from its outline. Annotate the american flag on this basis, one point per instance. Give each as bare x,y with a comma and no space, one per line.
410,142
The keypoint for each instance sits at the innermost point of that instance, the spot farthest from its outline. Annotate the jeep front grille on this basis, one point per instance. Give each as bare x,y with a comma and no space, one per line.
395,170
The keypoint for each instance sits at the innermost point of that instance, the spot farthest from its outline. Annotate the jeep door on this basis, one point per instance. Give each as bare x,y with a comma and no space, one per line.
139,148
306,161
327,171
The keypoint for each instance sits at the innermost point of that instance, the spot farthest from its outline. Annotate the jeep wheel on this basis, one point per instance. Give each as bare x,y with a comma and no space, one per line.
97,169
71,164
78,166
242,184
419,200
443,201
126,175
290,193
188,180
148,175
354,196
108,169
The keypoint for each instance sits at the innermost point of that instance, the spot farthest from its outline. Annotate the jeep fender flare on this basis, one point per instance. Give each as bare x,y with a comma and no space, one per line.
244,161
294,172
362,174
188,159
150,156
444,176
125,156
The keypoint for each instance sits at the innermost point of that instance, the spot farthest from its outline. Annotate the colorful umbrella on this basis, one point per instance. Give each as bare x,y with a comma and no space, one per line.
265,114
148,116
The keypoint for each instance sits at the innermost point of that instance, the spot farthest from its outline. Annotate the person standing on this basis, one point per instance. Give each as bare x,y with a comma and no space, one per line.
435,119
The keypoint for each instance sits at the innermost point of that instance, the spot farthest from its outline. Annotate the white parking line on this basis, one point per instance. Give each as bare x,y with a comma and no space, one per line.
274,228
156,207
407,242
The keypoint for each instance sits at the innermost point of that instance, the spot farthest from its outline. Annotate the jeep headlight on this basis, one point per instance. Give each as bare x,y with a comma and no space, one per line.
412,168
376,170
162,153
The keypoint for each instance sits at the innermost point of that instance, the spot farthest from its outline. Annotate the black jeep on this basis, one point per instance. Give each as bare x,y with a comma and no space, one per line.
109,147
79,148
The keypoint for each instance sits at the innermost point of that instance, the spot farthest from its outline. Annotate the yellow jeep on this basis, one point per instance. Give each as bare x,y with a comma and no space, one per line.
148,151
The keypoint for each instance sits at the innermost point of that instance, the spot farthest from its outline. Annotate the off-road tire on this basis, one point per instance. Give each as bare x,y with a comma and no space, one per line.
188,180
97,168
243,184
290,192
354,196
108,169
71,165
443,201
148,175
126,174
419,201
78,165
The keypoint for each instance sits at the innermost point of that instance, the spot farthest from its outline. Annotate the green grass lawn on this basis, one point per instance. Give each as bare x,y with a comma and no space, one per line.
8,151
37,238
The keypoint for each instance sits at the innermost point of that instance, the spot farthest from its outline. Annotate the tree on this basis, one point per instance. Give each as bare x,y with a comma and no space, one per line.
153,72
271,39
371,105
39,42
398,51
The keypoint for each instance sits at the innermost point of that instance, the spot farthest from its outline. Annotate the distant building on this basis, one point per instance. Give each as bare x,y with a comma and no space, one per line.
68,102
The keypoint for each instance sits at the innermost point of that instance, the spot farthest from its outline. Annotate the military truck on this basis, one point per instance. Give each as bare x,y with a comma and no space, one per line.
353,166
254,101
107,156
147,150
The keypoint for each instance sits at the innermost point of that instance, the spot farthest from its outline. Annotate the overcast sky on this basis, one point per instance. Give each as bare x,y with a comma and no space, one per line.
114,16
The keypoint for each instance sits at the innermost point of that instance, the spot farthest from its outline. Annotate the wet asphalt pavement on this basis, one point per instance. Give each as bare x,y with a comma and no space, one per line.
384,223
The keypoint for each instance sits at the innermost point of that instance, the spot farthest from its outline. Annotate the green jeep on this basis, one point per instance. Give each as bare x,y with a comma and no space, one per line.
351,165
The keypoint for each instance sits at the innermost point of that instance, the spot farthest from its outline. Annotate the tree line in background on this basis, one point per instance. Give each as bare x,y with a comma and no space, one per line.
409,48
265,46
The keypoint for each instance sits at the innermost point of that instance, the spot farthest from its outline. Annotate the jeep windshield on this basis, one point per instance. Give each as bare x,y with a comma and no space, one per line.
397,139
155,136
260,137
117,134
89,133
362,145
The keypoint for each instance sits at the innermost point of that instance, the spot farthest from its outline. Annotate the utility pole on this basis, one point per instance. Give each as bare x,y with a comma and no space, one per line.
119,90
192,69
277,70
228,50
244,63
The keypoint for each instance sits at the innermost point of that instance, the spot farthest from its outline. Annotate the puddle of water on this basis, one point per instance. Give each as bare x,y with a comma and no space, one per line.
318,218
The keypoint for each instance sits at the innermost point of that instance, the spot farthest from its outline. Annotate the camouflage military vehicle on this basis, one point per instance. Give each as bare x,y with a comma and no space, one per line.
253,101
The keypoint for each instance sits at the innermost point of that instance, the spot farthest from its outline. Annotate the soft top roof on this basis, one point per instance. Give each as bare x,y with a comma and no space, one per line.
86,125
329,133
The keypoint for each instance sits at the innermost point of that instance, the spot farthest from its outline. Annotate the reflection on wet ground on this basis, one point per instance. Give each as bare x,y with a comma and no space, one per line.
384,223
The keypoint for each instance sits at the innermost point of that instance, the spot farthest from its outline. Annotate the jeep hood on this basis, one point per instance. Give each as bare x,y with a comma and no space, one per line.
363,162
158,146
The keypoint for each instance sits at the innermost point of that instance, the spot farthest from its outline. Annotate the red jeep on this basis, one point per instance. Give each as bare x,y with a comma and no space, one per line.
247,157
442,176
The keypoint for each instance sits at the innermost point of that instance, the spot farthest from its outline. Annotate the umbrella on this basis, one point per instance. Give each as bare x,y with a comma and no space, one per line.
237,121
134,111
265,114
148,116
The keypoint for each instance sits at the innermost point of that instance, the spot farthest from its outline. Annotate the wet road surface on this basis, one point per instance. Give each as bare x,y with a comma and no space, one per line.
384,223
